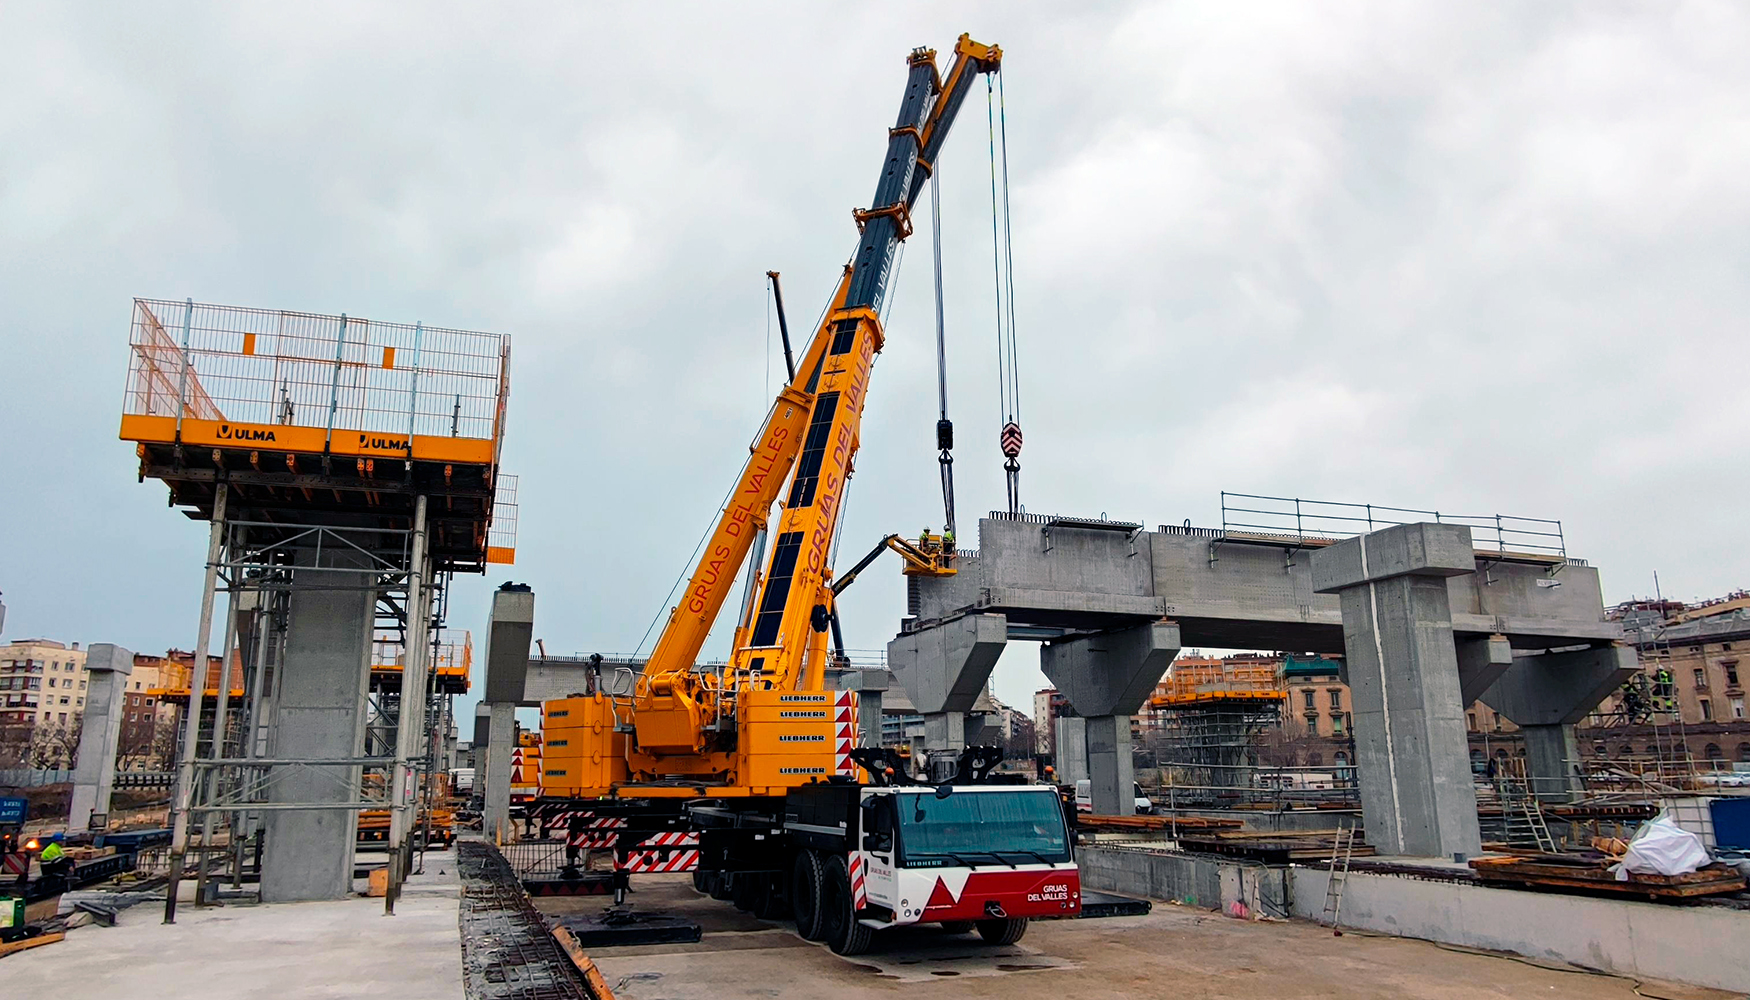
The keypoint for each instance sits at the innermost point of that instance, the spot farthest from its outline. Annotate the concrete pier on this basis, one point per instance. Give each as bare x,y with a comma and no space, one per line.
1412,761
1106,677
943,669
323,686
108,667
508,634
1545,694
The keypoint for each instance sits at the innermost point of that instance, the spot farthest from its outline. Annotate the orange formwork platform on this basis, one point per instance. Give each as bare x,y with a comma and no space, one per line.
313,418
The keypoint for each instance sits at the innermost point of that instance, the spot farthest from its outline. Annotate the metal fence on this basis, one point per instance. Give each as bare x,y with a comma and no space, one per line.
1251,513
266,366
535,858
34,777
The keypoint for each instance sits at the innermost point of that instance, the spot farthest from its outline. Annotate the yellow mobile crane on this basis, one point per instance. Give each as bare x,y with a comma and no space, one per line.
764,721
749,775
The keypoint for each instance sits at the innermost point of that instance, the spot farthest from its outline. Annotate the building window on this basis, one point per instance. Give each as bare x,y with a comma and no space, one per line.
1470,719
1337,700
1731,669
1713,754
52,681
1309,698
1744,753
1336,724
1737,708
1312,724
1700,679
1707,710
1497,723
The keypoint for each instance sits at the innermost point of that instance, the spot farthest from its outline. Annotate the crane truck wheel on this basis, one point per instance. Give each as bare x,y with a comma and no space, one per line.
702,880
746,893
768,902
721,883
1007,930
848,936
805,880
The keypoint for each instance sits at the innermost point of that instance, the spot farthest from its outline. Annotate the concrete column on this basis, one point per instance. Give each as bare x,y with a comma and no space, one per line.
1072,749
943,669
508,635
323,683
1110,766
500,742
108,667
1546,694
871,686
1411,756
1106,678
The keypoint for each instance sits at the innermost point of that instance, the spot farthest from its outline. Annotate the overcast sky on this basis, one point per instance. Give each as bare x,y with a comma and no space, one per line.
1474,257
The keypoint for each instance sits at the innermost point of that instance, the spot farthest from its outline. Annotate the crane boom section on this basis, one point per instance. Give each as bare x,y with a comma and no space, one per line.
796,598
770,458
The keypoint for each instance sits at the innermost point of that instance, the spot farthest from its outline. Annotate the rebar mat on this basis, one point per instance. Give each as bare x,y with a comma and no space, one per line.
508,953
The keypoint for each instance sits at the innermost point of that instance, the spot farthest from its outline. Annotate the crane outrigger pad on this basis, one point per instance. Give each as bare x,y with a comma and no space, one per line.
622,927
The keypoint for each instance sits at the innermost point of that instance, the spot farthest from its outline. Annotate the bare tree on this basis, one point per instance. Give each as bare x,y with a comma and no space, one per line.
56,744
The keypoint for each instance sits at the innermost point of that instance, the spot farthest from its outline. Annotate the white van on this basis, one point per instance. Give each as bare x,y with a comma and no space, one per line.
1085,798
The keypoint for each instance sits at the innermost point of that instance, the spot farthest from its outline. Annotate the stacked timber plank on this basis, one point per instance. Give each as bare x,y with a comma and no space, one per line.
1577,872
1153,824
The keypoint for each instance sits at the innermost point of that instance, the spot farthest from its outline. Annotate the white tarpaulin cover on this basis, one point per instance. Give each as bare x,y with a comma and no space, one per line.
1662,848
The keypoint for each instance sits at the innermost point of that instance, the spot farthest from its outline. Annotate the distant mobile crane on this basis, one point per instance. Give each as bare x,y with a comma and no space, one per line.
758,759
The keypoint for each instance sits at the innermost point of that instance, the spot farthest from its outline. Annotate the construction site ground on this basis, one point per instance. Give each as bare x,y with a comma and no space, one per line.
341,948
1174,951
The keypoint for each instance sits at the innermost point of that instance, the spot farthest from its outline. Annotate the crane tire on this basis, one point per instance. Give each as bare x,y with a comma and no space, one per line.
805,886
848,936
1006,930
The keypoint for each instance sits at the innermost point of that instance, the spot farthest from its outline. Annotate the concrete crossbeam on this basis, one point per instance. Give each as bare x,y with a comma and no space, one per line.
1481,662
1110,673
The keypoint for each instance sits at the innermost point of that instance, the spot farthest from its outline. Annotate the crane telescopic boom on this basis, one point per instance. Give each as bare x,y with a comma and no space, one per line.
811,435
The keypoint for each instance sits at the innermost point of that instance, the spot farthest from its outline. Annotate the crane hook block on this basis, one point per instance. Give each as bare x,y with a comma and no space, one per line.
1011,439
945,434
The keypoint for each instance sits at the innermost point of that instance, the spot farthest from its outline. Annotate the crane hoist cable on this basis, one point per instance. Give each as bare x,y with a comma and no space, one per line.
1003,266
944,426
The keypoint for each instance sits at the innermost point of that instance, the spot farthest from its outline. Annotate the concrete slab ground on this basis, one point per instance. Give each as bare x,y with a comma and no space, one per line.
337,948
1174,951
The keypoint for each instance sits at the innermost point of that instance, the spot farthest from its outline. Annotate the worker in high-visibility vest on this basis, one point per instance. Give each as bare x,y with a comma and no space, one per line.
55,864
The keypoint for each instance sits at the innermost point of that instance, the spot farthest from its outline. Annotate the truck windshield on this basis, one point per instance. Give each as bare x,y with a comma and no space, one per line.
981,828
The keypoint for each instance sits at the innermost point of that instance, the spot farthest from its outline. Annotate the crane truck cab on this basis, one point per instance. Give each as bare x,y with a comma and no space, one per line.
853,858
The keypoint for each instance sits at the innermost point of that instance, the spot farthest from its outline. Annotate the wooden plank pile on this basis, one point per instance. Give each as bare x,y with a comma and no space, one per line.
1592,874
1152,824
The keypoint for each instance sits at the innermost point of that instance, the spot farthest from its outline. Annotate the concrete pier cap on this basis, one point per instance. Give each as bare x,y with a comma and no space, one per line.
943,669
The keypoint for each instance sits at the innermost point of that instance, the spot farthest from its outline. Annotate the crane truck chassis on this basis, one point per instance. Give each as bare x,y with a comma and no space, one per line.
846,859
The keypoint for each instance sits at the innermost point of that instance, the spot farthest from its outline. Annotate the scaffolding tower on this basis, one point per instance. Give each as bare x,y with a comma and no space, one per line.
348,468
1210,718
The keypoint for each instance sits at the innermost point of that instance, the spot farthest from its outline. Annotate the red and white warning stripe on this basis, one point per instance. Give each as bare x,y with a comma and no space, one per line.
859,896
845,731
653,861
657,853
